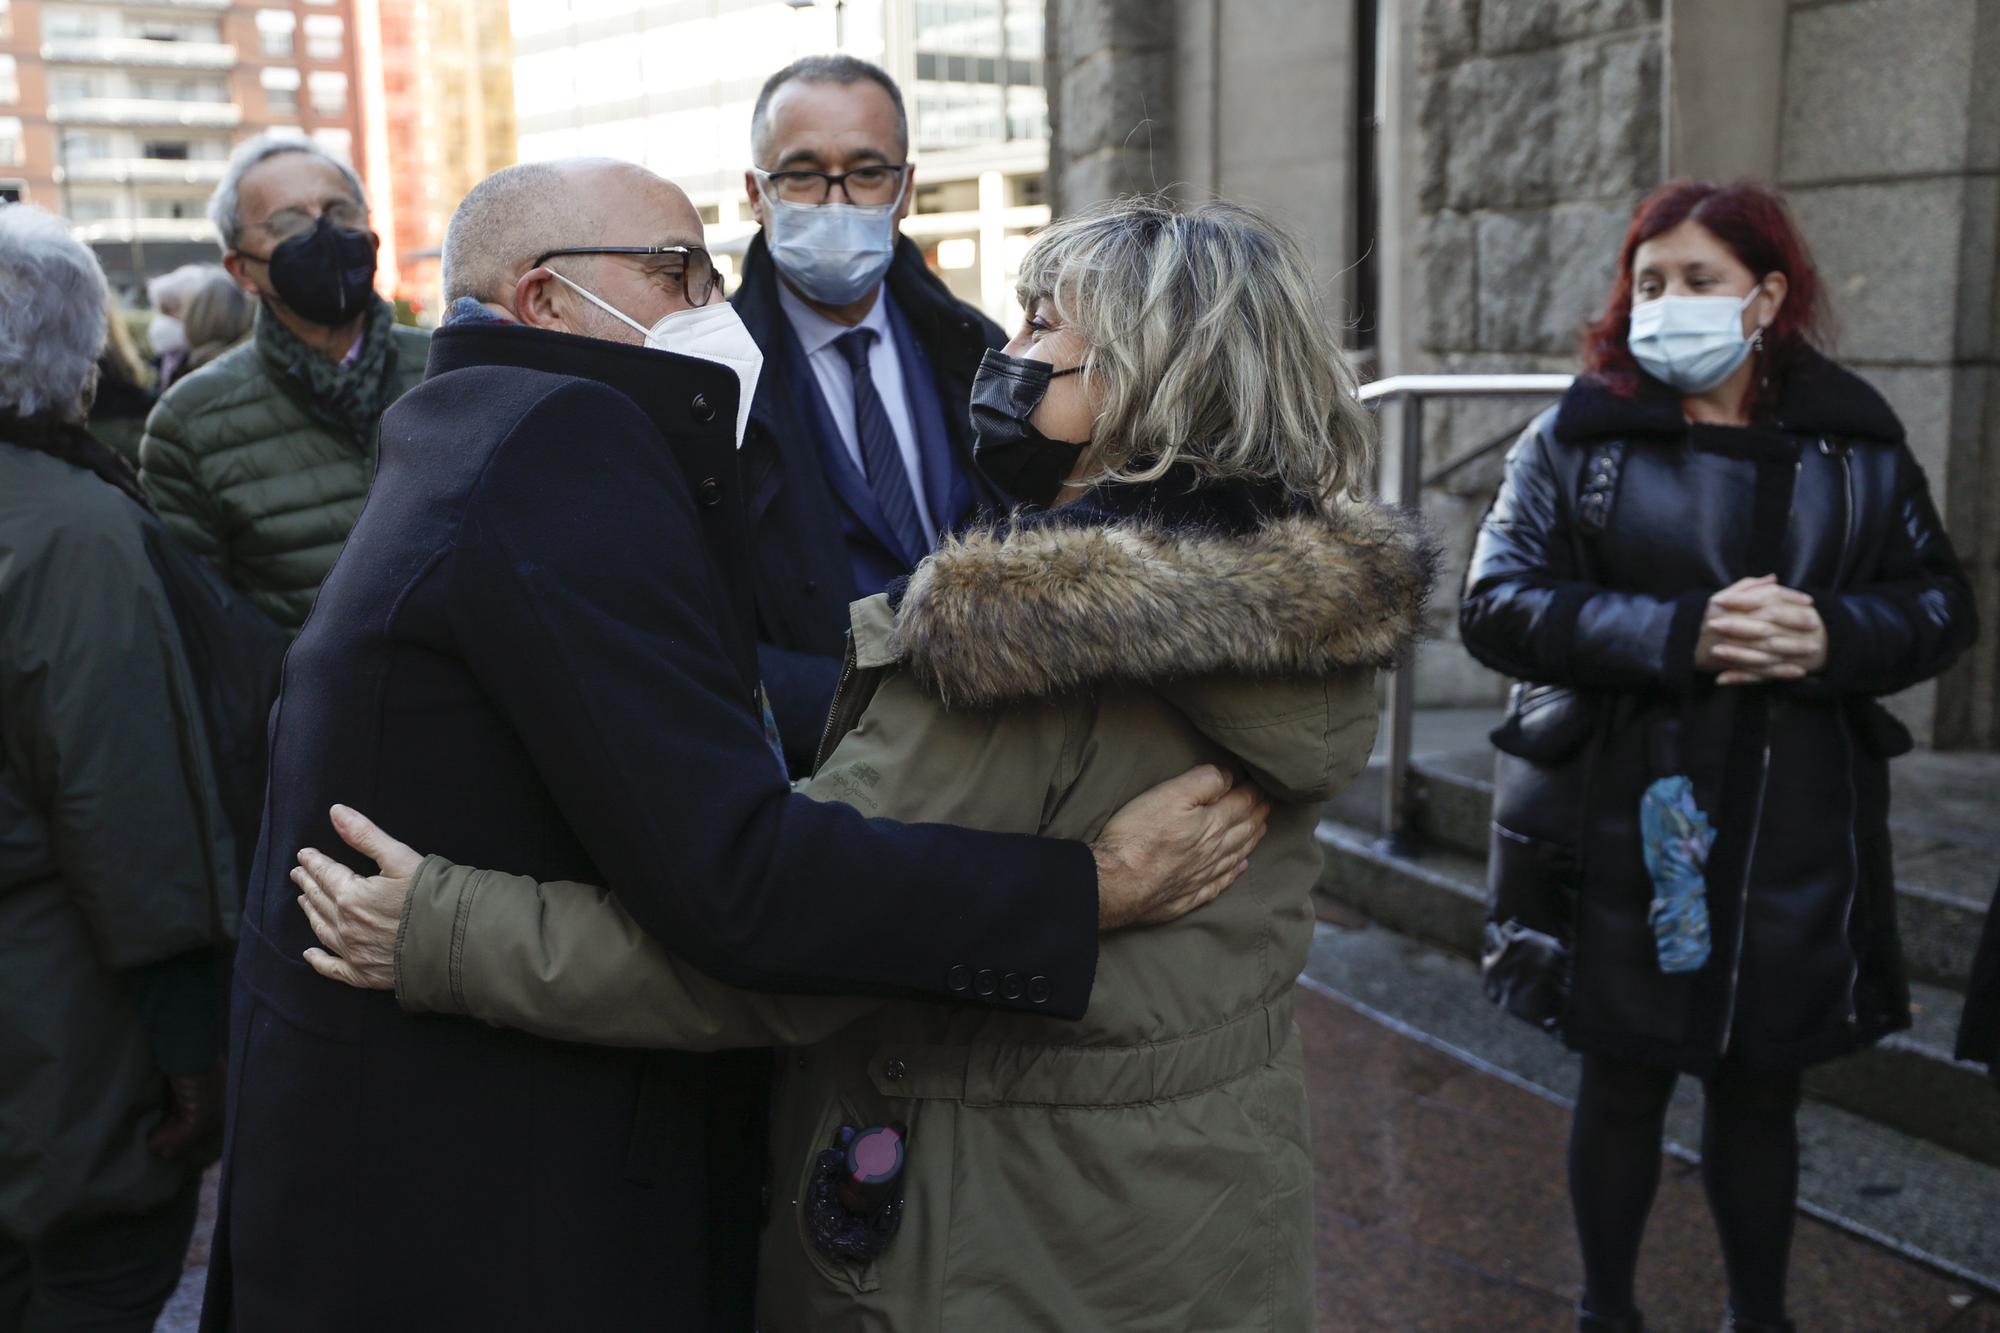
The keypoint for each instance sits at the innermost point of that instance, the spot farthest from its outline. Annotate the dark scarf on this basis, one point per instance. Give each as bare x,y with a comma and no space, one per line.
70,442
349,398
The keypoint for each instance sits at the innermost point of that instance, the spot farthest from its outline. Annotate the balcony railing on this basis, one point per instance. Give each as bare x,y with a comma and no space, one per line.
146,111
141,171
1406,489
123,231
209,5
142,51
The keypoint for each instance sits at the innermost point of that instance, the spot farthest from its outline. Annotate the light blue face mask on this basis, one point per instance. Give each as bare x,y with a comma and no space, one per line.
833,253
1690,343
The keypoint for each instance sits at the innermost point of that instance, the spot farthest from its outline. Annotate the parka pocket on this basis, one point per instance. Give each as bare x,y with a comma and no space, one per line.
845,1274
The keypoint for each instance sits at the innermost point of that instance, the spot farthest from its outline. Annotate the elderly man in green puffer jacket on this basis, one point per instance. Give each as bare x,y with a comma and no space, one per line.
261,460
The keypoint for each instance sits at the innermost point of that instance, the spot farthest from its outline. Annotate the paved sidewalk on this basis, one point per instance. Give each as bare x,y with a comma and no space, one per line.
1441,1207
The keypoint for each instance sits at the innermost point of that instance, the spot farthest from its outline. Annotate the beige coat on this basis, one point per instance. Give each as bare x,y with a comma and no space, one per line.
1146,1167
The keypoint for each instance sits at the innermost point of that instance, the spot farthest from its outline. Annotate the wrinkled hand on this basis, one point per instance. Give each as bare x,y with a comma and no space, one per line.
355,918
1759,630
192,1131
1174,848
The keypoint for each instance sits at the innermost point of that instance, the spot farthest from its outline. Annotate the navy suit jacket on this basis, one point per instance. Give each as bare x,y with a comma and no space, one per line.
820,541
535,653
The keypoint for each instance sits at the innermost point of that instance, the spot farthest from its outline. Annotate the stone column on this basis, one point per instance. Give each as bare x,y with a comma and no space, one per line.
1890,153
1111,112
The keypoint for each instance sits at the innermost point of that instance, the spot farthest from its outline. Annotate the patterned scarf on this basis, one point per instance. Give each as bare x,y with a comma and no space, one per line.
348,398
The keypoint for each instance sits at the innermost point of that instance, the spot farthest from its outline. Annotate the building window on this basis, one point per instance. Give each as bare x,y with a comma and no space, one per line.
274,32
10,141
164,151
10,81
324,34
328,92
12,191
6,24
281,91
337,142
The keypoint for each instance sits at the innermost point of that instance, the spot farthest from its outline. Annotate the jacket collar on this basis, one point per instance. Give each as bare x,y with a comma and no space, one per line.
661,383
1043,608
936,316
1818,397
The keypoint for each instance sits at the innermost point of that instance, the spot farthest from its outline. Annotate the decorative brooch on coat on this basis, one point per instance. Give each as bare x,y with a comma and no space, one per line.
1677,836
855,1201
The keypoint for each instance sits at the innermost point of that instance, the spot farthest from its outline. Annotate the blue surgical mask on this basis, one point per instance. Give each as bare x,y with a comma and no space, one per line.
834,254
1690,343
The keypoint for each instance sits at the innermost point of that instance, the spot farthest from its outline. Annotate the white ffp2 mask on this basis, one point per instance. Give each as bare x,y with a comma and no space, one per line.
712,332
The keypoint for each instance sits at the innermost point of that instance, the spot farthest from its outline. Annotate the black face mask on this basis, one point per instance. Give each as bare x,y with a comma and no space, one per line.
325,275
1025,464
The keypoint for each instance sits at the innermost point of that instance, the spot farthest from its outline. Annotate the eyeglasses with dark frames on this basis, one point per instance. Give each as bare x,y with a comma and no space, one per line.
868,186
699,278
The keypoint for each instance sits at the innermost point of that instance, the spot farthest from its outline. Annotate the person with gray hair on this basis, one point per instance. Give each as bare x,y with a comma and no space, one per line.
537,651
1195,575
115,889
261,459
166,339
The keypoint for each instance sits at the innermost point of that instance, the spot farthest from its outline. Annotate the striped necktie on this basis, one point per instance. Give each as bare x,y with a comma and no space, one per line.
881,458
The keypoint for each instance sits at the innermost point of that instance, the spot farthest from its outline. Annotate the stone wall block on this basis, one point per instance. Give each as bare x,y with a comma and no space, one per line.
1502,117
1513,280
1629,157
1584,240
1889,255
1880,88
1447,295
1506,26
1433,142
1588,18
1573,147
1978,335
1106,174
1108,102
1448,32
1086,26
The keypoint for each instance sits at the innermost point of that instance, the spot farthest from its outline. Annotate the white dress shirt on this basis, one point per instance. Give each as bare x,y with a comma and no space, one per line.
816,335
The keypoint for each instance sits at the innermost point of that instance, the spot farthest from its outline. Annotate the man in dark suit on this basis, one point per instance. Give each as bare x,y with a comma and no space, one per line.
537,652
859,451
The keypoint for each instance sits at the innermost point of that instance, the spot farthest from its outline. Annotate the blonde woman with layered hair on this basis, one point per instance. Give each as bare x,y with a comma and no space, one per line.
1191,577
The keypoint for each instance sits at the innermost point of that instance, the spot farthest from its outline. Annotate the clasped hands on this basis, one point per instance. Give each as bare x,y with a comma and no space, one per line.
1758,630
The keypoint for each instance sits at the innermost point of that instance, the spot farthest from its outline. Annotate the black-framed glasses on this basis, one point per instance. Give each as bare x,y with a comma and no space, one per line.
697,271
869,186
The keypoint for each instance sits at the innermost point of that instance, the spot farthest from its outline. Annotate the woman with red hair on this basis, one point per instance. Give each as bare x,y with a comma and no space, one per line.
1704,566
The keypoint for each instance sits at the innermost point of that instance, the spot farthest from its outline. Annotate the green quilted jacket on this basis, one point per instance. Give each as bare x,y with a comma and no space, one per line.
251,476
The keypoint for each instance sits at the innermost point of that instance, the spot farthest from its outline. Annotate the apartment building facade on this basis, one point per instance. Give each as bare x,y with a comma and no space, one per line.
121,114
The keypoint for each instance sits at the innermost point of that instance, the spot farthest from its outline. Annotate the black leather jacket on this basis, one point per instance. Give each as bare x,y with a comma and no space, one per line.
1616,522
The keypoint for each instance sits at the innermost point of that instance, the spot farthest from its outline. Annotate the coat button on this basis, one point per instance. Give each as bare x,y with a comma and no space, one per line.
702,409
959,978
1010,987
894,1071
985,982
1039,990
812,585
711,492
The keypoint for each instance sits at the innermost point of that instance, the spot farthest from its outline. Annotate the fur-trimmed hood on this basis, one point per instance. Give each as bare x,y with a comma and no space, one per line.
1216,619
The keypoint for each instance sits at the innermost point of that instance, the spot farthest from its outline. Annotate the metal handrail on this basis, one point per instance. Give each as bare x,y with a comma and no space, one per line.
1397,836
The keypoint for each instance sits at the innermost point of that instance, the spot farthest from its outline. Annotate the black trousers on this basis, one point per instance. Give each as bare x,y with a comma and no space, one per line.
106,1275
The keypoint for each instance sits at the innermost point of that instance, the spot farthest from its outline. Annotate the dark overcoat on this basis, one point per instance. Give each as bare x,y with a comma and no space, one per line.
1616,522
805,528
535,652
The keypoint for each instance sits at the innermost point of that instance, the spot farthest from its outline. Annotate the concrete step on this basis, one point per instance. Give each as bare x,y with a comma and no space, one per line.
1908,1081
1895,1188
1945,862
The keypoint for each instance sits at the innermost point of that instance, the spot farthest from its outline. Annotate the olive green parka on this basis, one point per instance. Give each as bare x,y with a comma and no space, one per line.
1145,1168
251,475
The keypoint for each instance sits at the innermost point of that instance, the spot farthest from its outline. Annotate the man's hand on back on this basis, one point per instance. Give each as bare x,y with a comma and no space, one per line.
1171,849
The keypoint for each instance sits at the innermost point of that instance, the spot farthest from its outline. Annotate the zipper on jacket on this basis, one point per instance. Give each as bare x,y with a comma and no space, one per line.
1743,898
1853,873
828,735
